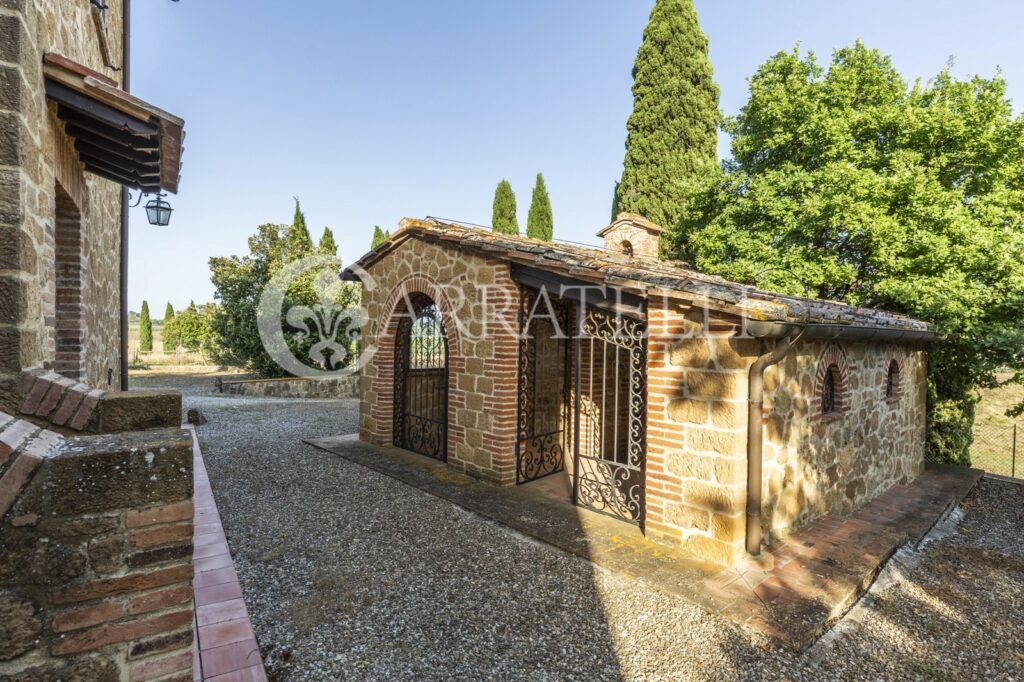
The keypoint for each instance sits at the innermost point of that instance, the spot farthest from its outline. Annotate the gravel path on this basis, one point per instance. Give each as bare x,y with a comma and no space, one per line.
352,575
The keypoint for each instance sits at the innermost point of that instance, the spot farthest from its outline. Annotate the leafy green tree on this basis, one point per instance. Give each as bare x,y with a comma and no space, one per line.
299,243
327,245
539,221
239,283
192,326
672,134
503,213
379,236
168,343
851,185
145,329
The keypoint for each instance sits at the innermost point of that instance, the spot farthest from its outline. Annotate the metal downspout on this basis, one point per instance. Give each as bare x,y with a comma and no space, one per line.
126,20
755,436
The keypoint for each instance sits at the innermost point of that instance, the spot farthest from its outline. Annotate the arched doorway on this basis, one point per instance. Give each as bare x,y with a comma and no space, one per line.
421,380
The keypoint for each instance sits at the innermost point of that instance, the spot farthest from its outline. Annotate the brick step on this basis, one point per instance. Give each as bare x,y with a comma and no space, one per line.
23,447
62,401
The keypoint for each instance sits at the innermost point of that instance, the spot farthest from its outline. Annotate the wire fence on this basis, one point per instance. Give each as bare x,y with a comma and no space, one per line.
997,448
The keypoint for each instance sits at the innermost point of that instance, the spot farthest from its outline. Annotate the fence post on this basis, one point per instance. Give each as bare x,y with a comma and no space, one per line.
1013,462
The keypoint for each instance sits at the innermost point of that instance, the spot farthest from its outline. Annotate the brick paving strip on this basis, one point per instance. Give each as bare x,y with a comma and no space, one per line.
799,588
225,647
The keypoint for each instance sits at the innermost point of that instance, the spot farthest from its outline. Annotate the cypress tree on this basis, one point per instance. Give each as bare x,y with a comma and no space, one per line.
503,212
145,329
672,134
167,340
299,243
539,221
327,245
379,237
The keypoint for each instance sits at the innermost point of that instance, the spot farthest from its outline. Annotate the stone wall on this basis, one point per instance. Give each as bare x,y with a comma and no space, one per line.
95,554
481,366
37,161
696,432
346,386
815,463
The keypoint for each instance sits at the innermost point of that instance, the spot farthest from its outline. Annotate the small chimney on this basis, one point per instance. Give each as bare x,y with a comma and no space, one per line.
632,235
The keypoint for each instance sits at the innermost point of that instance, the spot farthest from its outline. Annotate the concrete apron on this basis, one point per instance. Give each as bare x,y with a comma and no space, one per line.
797,589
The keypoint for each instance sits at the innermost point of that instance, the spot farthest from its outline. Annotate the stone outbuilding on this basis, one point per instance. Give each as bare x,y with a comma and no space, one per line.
713,415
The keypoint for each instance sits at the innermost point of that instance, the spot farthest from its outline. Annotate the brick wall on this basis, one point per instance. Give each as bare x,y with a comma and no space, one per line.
69,313
95,554
481,366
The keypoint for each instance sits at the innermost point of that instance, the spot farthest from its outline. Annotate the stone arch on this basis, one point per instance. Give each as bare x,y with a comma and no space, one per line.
832,361
384,356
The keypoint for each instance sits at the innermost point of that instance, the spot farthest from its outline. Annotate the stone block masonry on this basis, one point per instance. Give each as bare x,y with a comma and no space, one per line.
481,366
95,553
59,226
346,386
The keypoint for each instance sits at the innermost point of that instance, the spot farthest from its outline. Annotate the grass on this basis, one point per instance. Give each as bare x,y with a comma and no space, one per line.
993,432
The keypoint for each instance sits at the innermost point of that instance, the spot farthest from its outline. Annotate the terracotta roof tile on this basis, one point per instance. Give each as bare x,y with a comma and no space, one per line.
639,275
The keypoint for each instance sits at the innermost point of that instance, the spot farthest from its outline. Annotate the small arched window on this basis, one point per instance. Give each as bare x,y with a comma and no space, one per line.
828,391
626,248
892,380
832,384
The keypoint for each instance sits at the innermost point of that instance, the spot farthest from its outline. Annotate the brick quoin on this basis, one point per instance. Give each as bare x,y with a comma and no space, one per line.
117,633
134,582
86,616
179,511
161,599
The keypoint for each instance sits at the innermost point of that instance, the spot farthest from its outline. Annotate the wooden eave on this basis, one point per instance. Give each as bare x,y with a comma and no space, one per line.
117,135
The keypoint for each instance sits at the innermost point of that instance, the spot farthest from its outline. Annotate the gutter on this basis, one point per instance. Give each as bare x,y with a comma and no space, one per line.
126,20
787,334
761,329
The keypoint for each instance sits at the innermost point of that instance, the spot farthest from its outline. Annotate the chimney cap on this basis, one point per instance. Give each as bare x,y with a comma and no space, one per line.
635,219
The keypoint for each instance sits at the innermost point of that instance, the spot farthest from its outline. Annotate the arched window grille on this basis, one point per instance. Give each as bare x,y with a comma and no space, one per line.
828,391
892,380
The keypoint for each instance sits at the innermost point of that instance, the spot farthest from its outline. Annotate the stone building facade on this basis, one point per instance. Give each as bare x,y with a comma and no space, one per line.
662,367
60,254
96,515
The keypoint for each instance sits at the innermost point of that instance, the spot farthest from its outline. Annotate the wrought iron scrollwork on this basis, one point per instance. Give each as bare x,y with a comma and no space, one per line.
542,424
421,381
609,479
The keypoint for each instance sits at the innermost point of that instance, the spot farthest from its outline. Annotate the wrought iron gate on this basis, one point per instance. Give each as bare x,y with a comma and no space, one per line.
421,381
542,434
609,450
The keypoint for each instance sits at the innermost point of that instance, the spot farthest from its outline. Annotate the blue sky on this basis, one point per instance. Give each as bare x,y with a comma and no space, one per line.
371,111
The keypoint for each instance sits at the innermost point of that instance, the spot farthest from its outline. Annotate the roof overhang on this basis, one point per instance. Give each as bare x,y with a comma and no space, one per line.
764,314
116,135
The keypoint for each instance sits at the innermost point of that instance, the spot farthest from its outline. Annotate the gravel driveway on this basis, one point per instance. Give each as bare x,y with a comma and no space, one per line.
352,575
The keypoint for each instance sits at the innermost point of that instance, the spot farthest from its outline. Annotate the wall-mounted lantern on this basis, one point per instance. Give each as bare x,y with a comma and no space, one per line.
158,211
